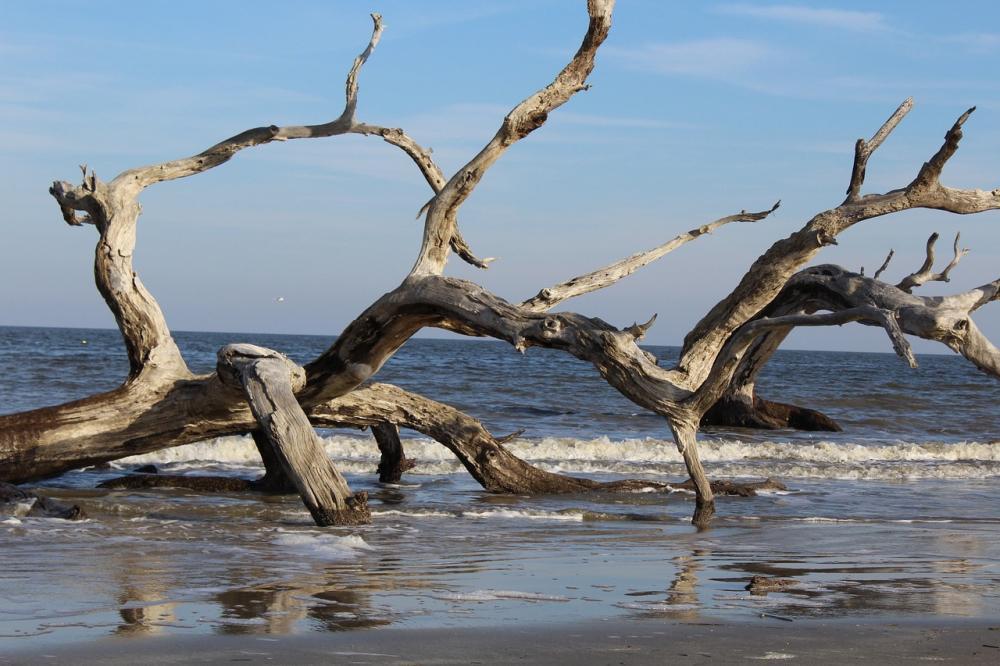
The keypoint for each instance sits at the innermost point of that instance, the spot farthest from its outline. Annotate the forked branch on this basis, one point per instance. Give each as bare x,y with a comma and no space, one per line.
926,273
864,149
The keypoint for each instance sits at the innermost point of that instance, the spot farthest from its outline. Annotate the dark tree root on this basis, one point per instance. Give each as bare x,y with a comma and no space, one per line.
208,484
767,415
561,485
393,461
726,487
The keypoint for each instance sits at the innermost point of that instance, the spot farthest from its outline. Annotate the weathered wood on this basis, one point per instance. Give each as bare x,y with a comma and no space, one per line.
926,272
440,223
275,479
741,489
268,379
549,297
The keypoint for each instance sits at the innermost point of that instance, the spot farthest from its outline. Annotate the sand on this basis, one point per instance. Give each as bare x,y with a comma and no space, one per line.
611,642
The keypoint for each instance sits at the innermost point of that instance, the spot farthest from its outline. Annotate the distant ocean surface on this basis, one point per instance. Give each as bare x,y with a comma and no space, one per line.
896,513
940,420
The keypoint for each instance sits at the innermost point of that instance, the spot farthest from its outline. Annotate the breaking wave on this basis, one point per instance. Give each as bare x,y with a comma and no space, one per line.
728,457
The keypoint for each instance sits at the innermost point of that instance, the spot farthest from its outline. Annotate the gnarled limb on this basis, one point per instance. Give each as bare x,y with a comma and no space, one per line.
268,380
926,272
489,462
768,275
944,319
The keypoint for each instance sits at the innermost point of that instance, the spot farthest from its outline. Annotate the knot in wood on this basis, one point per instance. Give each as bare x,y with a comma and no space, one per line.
528,123
824,237
551,326
487,454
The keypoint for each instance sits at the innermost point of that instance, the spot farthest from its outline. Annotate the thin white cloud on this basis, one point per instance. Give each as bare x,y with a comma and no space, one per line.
843,19
721,58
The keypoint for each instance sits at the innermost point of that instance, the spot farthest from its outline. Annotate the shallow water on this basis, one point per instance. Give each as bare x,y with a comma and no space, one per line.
894,517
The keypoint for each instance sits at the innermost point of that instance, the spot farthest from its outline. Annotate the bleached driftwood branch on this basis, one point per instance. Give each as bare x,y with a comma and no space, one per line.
604,277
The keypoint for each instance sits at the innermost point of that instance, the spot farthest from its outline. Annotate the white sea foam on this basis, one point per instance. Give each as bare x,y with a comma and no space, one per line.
529,514
486,514
496,595
729,457
321,546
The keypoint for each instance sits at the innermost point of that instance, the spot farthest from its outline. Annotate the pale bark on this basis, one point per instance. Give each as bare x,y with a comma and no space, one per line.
269,380
926,272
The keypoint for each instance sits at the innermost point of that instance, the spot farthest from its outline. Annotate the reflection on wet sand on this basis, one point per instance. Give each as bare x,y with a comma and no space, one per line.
283,609
169,563
144,584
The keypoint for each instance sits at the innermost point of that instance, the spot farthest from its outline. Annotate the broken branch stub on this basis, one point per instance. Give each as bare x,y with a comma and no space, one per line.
269,380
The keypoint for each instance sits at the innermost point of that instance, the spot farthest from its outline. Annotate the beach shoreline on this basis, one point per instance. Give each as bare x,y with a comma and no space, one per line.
615,641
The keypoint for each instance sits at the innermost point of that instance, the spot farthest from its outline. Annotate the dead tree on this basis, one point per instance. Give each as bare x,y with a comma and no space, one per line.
162,404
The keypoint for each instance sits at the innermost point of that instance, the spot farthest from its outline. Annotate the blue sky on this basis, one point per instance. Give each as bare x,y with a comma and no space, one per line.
697,110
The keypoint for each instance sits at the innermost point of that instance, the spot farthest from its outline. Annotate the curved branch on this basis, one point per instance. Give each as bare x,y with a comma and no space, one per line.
603,277
944,319
732,353
135,180
526,117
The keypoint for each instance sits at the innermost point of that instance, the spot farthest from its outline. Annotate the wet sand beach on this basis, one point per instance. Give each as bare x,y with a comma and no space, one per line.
610,642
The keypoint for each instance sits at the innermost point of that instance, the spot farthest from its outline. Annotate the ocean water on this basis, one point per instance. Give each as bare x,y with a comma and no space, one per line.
896,515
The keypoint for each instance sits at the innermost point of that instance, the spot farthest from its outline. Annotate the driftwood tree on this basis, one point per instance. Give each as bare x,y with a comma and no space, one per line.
162,404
